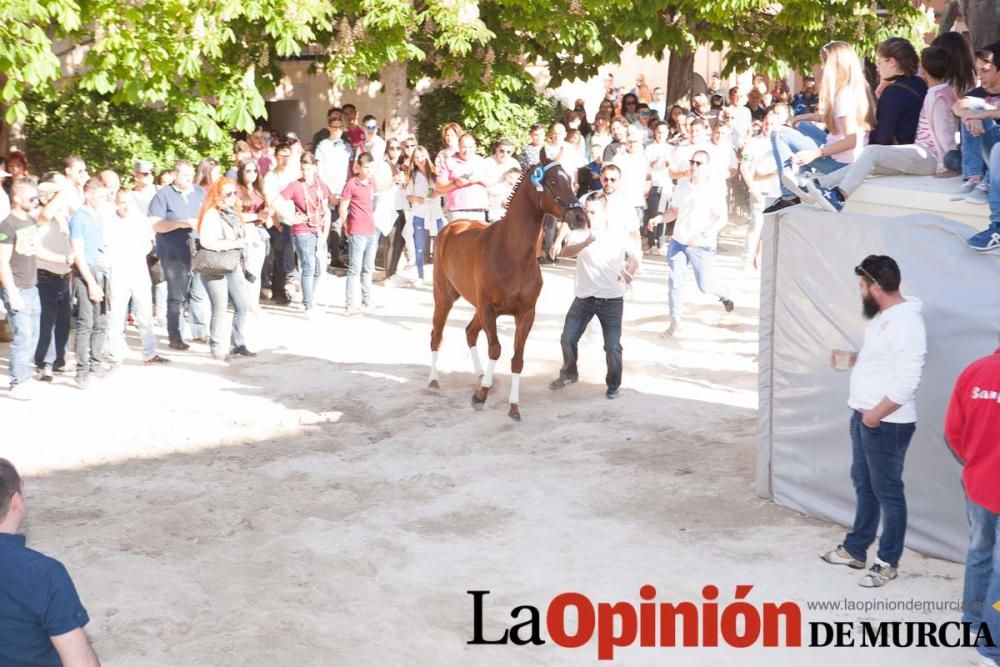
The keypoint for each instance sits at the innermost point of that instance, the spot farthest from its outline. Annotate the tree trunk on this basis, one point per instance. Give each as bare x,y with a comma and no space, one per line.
983,20
680,78
950,14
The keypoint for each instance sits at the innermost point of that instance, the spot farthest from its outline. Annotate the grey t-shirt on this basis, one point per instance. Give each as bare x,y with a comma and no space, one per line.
23,235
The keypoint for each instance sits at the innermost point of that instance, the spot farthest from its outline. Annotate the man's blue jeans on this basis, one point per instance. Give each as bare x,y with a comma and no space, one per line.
362,249
786,141
982,574
994,191
877,473
701,259
609,313
180,287
24,325
306,246
976,150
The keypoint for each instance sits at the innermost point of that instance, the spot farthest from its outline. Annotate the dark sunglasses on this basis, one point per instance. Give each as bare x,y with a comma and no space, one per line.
860,270
609,179
697,163
507,151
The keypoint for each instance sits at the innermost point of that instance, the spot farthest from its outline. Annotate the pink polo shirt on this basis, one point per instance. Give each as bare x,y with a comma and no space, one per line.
471,197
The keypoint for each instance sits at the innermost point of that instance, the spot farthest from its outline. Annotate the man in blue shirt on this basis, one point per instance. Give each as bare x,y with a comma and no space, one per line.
173,213
90,281
41,617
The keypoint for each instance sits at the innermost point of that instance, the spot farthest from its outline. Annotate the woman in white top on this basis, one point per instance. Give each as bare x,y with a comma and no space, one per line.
220,228
419,189
846,108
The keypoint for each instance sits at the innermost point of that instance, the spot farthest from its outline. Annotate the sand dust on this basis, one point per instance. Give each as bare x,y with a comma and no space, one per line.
320,506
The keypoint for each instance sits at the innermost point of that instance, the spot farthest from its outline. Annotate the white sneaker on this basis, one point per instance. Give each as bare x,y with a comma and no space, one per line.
878,575
963,192
22,391
840,556
979,194
796,183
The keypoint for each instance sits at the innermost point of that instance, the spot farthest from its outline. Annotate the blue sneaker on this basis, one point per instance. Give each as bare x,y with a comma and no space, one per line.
986,240
827,198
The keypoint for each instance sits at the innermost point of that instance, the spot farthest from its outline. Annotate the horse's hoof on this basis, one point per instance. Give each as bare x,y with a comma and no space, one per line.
514,413
434,384
479,398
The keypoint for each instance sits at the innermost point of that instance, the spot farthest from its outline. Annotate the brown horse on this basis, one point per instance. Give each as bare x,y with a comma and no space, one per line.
495,268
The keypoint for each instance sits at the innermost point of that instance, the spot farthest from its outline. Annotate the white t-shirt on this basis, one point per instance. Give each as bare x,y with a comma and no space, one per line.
633,182
760,154
493,171
658,156
722,159
845,105
599,265
699,207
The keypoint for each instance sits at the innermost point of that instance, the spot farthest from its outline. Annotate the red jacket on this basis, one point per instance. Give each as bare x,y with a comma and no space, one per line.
972,428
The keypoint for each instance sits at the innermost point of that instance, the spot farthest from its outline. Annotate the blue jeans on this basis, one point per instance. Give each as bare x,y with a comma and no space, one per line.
24,325
221,290
56,297
994,192
419,237
178,278
362,248
306,246
786,141
877,473
982,574
976,150
609,313
701,260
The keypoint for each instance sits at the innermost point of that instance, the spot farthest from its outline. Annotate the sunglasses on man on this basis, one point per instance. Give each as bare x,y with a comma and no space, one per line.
371,128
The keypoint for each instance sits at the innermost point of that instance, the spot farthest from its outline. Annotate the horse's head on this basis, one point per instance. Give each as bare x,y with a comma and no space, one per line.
557,196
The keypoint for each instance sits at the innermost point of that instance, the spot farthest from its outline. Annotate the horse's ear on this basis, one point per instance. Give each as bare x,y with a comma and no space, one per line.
543,159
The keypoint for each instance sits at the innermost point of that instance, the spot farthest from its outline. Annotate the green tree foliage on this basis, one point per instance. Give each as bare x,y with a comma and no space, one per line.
109,136
211,61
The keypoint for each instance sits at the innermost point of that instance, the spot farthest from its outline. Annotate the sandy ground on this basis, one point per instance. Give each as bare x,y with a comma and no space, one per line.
320,506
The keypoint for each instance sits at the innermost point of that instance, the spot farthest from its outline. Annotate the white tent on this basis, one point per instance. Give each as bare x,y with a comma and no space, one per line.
810,305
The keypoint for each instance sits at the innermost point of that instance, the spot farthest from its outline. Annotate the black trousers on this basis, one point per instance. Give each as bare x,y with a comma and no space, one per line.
56,296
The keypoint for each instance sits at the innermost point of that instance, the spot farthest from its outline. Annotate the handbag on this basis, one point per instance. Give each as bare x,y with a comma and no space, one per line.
213,263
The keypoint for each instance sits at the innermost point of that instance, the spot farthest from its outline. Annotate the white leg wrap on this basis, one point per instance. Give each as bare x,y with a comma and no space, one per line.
488,377
515,387
434,367
474,353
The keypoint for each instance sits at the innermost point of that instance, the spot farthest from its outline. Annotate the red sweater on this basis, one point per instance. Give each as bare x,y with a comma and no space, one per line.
972,428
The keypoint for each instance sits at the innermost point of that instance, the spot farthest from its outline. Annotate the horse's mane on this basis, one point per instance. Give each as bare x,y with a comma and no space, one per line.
513,190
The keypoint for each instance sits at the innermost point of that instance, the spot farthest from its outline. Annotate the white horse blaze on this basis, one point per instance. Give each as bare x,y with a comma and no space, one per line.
474,353
434,366
488,377
515,386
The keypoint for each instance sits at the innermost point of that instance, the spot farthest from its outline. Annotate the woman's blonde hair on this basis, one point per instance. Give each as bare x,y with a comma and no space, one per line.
842,69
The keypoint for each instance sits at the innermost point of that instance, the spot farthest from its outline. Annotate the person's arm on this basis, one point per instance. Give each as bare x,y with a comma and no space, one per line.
7,277
910,349
750,178
943,127
575,249
850,140
811,117
157,217
94,290
47,255
954,423
345,204
74,649
890,110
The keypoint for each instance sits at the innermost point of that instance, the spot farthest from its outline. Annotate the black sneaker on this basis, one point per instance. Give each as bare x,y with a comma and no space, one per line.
728,305
58,366
781,204
612,393
561,382
179,345
242,351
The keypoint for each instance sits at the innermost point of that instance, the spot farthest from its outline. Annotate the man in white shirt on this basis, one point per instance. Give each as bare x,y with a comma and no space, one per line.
740,118
882,399
659,103
374,144
500,162
760,173
635,170
700,215
334,158
606,261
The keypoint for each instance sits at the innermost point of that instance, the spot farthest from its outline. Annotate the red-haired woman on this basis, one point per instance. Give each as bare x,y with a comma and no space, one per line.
221,228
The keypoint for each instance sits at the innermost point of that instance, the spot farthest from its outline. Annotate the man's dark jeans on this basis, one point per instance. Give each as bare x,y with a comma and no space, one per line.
609,313
178,275
56,295
877,473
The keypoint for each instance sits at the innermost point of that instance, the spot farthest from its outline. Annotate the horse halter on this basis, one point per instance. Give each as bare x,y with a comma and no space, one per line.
538,180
